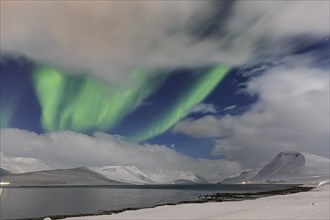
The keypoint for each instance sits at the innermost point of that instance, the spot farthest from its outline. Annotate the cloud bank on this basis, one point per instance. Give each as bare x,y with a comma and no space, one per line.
66,149
292,113
111,38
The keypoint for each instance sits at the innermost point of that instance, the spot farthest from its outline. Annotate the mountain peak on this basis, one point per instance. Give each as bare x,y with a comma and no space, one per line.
290,167
21,164
284,163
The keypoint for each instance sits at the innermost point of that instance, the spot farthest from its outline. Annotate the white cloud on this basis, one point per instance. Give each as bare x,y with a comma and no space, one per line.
204,108
228,108
292,113
66,149
110,38
205,127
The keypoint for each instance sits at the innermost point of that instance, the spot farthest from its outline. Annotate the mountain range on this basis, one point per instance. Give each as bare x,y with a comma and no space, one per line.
76,176
29,171
286,167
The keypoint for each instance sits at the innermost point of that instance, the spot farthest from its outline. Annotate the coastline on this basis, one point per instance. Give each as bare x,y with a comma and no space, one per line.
312,204
205,199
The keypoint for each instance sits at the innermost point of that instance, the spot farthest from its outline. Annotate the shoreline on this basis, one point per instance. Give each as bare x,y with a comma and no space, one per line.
216,197
148,186
313,204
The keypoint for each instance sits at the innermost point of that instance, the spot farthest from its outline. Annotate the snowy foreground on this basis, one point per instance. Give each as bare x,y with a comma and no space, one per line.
307,205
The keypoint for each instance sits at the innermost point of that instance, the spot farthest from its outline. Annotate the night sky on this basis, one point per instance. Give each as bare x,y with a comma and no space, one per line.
21,109
205,85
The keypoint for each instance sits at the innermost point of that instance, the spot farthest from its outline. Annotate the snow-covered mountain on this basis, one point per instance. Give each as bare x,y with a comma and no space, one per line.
284,164
173,177
243,177
77,176
21,164
290,167
123,174
128,174
132,175
109,175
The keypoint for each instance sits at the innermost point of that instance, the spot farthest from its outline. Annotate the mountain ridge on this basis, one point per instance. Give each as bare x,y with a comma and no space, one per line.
17,165
288,167
75,176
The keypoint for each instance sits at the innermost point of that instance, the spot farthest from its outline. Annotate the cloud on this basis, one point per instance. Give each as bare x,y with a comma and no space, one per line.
66,149
204,108
228,108
110,38
292,113
204,127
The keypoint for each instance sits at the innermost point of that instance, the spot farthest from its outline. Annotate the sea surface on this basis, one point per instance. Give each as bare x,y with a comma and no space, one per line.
30,202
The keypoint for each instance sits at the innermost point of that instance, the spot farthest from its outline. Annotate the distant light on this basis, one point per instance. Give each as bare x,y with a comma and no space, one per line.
4,183
247,182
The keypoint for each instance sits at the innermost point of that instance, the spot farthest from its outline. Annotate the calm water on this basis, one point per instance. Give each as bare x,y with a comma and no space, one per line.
30,202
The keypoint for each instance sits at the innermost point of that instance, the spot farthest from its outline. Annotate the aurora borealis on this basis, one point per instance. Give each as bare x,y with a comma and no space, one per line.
83,104
5,116
45,99
197,93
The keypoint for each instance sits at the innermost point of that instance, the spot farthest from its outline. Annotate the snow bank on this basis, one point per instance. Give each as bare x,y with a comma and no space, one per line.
307,205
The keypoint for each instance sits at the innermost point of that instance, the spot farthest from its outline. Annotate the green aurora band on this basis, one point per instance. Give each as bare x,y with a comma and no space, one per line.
82,103
7,110
181,108
5,117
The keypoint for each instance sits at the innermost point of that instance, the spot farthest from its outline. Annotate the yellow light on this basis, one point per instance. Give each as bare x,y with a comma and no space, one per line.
4,183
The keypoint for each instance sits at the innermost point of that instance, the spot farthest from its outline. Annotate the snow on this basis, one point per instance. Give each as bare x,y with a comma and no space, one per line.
132,175
289,167
283,164
243,177
21,164
306,205
77,176
127,174
170,177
